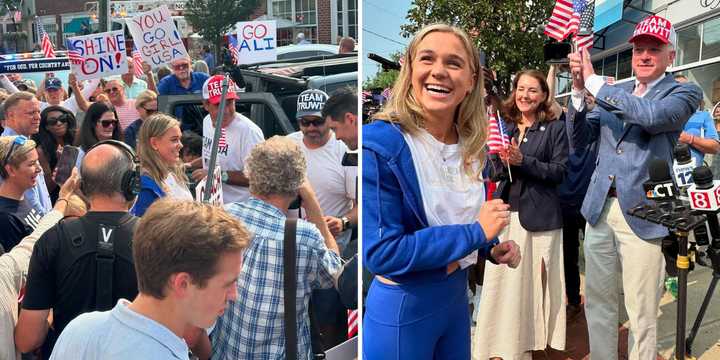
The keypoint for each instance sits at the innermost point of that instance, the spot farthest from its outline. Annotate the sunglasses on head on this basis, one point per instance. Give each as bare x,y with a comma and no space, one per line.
107,123
52,121
112,89
315,122
19,141
181,66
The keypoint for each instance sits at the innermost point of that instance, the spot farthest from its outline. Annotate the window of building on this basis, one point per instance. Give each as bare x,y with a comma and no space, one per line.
711,39
708,78
688,45
610,66
282,9
305,12
352,19
624,67
339,15
598,66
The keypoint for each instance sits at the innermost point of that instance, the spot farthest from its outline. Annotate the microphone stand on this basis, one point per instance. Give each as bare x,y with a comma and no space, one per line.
683,265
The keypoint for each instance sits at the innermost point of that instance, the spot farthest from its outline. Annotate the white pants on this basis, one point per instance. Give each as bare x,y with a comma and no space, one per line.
610,245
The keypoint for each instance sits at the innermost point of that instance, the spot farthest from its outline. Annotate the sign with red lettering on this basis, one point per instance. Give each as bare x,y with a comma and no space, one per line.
257,41
156,37
103,55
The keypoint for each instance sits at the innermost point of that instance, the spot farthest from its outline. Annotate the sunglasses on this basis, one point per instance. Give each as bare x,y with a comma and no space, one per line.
108,123
19,141
60,119
316,122
181,67
149,111
112,89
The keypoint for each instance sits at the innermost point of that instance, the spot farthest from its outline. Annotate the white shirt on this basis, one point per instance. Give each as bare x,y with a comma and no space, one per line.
241,135
594,83
333,183
175,190
449,195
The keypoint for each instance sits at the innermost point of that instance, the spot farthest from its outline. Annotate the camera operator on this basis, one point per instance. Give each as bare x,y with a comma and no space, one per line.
84,264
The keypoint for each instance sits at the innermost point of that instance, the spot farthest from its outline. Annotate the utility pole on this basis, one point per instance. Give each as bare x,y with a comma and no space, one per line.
103,15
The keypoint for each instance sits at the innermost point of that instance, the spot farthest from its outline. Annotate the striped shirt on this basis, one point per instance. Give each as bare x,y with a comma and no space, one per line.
127,113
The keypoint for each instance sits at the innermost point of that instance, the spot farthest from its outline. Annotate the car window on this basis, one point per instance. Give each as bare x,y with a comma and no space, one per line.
302,54
261,114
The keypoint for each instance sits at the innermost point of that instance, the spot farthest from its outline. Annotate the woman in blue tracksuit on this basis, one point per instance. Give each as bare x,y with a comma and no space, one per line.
425,212
163,173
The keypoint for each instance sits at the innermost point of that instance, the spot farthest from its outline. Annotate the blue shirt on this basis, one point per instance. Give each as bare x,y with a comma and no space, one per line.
700,125
209,59
580,167
36,197
120,333
252,327
170,85
131,133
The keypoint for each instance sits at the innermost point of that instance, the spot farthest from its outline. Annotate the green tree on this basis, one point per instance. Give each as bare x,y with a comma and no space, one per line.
212,19
504,30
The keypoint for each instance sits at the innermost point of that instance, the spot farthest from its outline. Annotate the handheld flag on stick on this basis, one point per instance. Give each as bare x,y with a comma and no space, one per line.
137,62
498,140
45,44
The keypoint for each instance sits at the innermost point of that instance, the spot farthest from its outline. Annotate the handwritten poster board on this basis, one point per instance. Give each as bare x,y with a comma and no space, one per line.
103,54
156,37
257,41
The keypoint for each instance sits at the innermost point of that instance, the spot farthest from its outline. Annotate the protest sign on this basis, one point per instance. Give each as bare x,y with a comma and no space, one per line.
156,37
33,65
216,195
257,41
103,54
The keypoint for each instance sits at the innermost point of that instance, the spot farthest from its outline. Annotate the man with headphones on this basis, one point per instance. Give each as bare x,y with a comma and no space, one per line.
84,264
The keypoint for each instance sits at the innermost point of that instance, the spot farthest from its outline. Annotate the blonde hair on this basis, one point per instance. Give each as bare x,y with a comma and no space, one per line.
144,98
19,153
155,126
470,116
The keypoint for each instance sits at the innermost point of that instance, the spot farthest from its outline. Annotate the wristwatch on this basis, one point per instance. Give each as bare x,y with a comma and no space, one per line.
224,177
345,223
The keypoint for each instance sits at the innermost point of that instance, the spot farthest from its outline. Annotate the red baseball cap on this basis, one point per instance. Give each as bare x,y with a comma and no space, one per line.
656,27
212,89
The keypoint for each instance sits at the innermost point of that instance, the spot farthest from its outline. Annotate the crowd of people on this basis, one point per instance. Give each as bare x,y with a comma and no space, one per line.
438,202
102,233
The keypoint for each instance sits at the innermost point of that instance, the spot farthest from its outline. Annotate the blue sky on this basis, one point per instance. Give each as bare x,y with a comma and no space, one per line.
381,30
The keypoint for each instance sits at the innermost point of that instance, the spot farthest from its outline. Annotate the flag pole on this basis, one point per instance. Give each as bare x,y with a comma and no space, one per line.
210,177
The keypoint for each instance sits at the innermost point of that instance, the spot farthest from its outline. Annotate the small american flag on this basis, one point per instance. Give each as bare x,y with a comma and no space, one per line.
234,49
222,143
366,96
497,139
352,323
558,25
137,62
74,54
45,44
584,36
386,93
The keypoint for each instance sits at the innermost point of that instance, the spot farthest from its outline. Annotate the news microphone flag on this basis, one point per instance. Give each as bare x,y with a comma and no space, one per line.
74,54
137,62
497,139
45,44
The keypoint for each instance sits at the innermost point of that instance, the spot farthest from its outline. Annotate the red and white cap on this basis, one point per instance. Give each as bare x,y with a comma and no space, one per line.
212,89
656,27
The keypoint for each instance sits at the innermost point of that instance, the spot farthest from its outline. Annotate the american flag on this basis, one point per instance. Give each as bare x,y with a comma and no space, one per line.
584,36
45,44
234,49
352,323
386,93
366,96
497,139
137,62
222,143
558,25
74,54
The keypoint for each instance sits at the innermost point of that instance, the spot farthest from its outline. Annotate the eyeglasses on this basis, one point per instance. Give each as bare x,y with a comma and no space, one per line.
108,123
112,89
149,111
55,120
181,66
316,122
19,141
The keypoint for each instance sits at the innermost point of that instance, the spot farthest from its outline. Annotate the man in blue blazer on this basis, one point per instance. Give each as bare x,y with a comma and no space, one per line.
634,122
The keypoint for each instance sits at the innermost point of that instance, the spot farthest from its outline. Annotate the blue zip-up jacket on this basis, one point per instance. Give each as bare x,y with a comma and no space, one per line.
397,241
149,192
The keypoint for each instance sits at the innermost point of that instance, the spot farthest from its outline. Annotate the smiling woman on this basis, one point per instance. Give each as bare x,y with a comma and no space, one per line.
163,172
424,209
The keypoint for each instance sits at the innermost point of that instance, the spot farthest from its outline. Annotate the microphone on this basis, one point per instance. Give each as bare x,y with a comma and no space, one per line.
660,188
704,194
683,166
